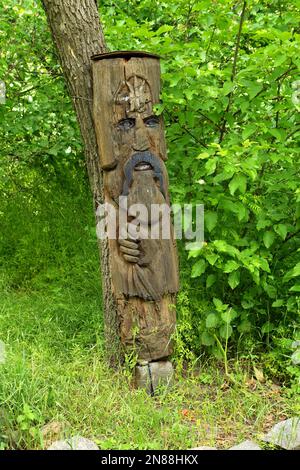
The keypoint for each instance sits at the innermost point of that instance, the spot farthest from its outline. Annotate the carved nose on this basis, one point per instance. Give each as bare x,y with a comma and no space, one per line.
141,142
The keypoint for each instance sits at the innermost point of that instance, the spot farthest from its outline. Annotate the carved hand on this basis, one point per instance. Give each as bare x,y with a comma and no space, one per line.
130,250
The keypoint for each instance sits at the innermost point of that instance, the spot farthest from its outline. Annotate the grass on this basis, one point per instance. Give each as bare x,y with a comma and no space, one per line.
55,375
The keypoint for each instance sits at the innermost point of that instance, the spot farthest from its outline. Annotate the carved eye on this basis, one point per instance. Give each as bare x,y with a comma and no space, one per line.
152,121
126,124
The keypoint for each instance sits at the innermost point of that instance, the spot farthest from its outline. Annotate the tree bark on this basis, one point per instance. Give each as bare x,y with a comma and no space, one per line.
77,34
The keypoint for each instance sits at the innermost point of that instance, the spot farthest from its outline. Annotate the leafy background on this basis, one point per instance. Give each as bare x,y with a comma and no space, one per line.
228,73
231,106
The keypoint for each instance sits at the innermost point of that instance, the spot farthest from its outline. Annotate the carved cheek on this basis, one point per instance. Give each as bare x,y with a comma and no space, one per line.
163,150
157,143
162,142
114,182
153,142
123,143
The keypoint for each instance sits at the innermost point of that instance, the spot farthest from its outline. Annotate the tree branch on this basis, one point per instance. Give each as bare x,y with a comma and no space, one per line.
234,69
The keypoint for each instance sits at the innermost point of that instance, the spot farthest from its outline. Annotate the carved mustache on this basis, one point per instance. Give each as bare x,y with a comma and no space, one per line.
143,161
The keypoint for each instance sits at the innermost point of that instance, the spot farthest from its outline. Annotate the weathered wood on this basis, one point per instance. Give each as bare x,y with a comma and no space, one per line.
132,154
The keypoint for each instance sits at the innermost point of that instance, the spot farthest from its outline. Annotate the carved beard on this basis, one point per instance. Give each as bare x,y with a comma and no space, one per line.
144,190
144,184
149,277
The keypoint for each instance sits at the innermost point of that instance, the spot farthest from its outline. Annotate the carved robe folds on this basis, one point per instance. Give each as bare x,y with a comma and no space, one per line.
132,150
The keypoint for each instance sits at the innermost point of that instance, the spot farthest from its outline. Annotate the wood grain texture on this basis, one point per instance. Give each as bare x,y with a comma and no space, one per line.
144,271
147,327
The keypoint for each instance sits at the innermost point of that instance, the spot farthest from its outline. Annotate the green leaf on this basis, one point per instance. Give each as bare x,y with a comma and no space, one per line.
227,88
248,131
247,303
216,351
203,156
207,339
295,288
281,229
224,175
234,279
228,315
242,212
239,181
212,321
211,258
230,266
237,208
264,265
263,223
194,253
198,268
218,303
292,273
225,331
244,326
278,303
210,166
256,276
163,29
267,327
268,238
253,89
211,279
210,220
280,59
53,151
279,134
223,246
270,290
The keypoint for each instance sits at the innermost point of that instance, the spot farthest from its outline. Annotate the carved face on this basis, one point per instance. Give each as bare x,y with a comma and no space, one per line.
138,129
132,152
137,136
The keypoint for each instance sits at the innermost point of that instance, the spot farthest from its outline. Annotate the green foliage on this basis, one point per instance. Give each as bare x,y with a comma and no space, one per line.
233,136
232,125
55,373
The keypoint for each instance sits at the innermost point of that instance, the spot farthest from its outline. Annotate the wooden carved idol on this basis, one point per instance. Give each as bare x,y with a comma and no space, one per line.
142,255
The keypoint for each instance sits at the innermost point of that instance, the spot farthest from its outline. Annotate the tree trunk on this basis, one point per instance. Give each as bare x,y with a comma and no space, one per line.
77,34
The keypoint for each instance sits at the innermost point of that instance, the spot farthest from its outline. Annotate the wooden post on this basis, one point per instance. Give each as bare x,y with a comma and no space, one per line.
132,150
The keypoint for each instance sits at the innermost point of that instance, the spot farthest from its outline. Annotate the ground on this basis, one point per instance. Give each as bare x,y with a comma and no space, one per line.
55,383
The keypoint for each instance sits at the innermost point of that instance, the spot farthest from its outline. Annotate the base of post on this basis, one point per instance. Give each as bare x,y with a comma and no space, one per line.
150,375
